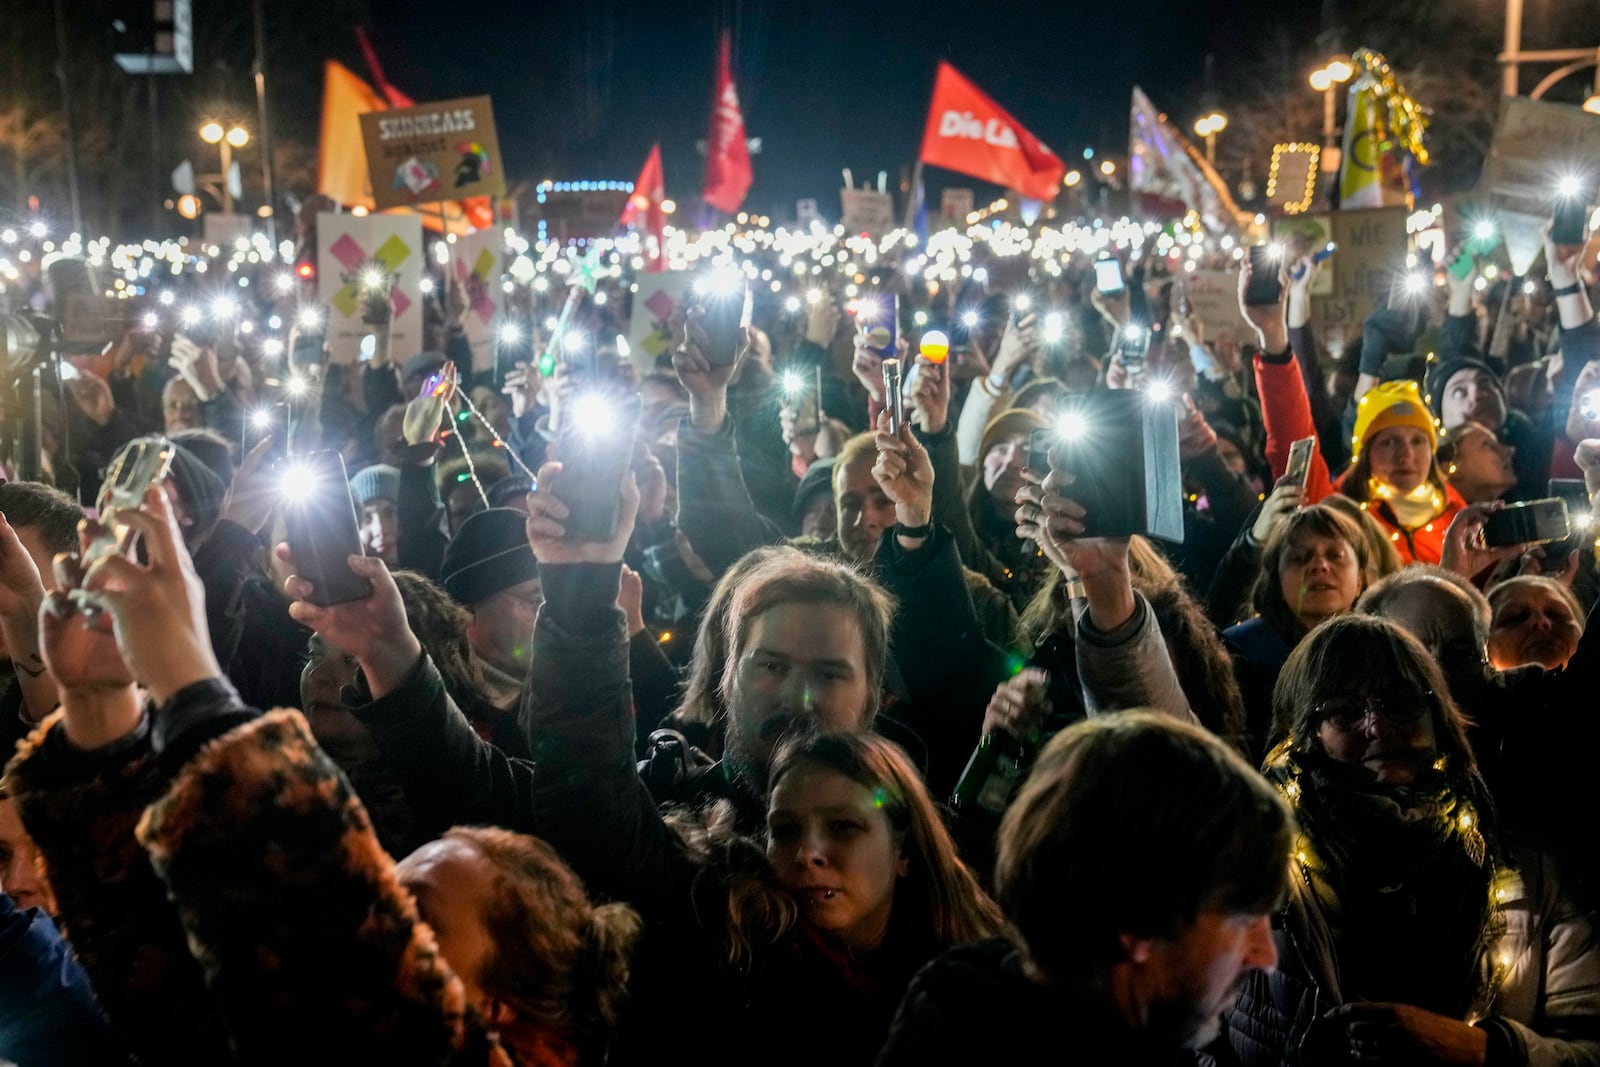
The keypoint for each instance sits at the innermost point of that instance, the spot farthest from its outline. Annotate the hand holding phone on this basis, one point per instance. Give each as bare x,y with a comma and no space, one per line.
319,515
1299,465
142,464
1265,287
594,448
1108,276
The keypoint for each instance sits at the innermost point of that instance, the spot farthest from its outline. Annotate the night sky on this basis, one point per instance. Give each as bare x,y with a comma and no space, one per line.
582,89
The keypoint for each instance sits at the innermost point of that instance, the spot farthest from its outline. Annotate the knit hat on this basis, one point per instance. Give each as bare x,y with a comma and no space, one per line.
818,480
1441,373
489,553
200,490
377,482
1397,403
1013,422
513,487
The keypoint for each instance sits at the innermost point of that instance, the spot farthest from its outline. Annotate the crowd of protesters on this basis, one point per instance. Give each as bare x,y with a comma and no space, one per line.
845,740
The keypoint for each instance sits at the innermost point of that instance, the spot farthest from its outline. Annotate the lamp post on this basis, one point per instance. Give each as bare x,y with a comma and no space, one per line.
1326,80
1208,126
226,140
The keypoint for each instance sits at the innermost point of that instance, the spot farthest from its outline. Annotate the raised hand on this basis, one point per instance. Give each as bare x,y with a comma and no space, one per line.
93,396
1269,321
198,365
253,494
522,387
158,609
426,410
930,404
1019,705
546,513
1280,503
1464,549
373,630
904,472
706,383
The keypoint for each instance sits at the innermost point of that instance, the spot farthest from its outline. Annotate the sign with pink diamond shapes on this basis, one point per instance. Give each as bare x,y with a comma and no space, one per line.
658,295
362,263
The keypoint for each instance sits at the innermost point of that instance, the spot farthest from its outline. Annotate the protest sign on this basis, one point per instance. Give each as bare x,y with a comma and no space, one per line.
1214,296
955,205
1371,253
1536,145
475,264
1306,235
388,247
867,211
441,151
653,304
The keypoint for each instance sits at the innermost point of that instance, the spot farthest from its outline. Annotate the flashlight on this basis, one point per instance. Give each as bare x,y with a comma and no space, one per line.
247,327
1055,327
1483,230
969,319
935,346
297,385
1529,288
189,315
272,347
1569,186
592,412
868,309
151,321
510,333
1415,284
372,279
623,348
813,295
1159,390
425,286
1132,333
1071,426
1021,302
285,283
891,391
1275,250
309,318
600,299
167,297
793,382
223,308
722,281
261,418
792,304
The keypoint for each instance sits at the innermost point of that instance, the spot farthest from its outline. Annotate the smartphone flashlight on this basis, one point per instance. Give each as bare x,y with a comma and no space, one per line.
1569,186
1159,390
372,279
592,416
309,318
260,418
1021,303
224,308
510,333
1055,327
793,382
151,320
1071,426
189,315
969,319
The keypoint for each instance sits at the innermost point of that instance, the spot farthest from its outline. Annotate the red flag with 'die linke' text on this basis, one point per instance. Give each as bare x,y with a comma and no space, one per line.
970,133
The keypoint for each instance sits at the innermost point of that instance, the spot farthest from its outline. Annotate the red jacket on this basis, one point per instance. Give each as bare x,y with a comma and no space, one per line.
1286,411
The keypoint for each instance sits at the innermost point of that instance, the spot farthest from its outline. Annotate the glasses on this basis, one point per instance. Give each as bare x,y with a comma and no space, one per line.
1352,712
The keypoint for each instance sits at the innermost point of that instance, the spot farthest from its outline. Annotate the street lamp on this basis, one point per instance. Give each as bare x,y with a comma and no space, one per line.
226,140
1208,126
1326,80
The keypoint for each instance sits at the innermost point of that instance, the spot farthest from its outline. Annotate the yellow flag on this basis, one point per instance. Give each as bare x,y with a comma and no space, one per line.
1360,171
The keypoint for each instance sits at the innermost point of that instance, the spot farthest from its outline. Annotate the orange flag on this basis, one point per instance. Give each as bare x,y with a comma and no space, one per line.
643,211
970,133
342,157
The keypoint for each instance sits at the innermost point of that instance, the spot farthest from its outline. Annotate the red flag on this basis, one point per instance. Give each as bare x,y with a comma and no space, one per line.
970,133
644,213
728,174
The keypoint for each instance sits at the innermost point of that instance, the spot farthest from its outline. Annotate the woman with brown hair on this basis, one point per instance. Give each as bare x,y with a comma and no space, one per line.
1314,566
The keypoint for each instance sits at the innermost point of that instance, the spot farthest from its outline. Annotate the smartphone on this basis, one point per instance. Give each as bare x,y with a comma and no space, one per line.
1299,467
143,463
1463,264
1266,286
593,459
1533,522
1108,276
882,328
1134,344
808,405
1569,218
725,320
323,531
308,348
1040,442
271,421
894,394
1575,494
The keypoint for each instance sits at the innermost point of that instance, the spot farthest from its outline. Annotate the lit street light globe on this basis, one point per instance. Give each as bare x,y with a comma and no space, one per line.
212,132
238,137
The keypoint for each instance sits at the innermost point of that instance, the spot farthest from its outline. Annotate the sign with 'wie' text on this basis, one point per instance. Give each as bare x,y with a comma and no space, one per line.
441,151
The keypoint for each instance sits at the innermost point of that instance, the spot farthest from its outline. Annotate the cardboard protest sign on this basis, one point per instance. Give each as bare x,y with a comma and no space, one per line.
867,211
1371,254
442,151
475,264
955,205
348,250
1214,296
1536,145
657,297
1306,235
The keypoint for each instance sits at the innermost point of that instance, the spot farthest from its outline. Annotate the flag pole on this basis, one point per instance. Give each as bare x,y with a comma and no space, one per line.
911,197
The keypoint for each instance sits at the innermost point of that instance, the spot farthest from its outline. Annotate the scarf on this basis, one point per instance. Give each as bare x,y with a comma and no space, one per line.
500,688
1401,876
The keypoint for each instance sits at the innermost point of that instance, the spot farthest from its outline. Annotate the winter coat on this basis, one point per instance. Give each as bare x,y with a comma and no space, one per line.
1545,1010
251,909
48,1014
974,1005
1259,652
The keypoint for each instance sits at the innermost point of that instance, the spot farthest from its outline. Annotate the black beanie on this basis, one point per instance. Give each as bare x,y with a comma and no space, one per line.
488,554
201,491
818,479
1439,376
